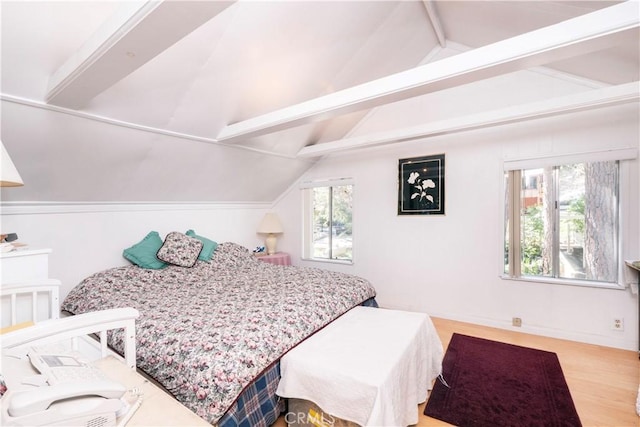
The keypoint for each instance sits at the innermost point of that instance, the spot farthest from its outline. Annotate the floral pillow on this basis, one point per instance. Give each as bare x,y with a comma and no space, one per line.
180,249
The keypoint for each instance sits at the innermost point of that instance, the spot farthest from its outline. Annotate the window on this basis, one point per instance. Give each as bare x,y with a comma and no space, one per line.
328,220
562,222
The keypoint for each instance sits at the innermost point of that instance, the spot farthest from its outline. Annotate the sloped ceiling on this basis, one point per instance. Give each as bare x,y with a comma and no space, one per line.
138,101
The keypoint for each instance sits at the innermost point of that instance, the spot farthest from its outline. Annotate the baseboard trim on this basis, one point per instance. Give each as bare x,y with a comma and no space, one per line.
606,341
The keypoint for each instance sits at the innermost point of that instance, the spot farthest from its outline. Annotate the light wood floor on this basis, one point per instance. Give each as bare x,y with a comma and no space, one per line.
603,381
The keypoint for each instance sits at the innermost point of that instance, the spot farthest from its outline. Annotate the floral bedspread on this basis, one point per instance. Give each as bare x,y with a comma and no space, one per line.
207,331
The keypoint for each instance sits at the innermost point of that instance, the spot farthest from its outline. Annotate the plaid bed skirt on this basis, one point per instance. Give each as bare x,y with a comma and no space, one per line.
258,405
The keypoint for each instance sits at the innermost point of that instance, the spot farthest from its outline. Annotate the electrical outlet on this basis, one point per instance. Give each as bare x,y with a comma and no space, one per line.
516,321
617,324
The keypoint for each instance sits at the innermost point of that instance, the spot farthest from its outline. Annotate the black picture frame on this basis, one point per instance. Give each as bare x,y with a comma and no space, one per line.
421,189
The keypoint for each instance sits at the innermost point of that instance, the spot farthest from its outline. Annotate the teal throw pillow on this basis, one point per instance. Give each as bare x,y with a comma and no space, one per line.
143,253
208,246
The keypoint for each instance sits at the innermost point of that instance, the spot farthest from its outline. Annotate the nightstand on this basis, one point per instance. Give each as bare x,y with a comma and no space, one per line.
279,258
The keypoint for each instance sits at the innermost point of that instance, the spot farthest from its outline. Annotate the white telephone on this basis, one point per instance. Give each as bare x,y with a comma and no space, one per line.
69,391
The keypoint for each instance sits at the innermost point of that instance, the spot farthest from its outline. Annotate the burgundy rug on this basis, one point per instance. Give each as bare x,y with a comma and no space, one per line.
497,384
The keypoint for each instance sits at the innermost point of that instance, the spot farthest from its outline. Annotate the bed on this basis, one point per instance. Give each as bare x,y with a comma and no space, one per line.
212,334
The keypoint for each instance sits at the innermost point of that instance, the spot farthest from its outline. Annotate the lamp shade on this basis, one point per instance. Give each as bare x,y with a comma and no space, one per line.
9,176
270,224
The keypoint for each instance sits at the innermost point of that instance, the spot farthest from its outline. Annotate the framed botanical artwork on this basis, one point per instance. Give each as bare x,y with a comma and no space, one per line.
421,185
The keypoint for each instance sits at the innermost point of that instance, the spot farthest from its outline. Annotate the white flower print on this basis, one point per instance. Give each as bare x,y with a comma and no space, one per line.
412,177
422,185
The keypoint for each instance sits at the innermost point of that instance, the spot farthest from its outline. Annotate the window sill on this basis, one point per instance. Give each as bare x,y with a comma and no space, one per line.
331,261
568,282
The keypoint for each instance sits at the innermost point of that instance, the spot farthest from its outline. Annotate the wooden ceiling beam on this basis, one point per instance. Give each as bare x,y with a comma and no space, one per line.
136,33
436,24
583,101
587,33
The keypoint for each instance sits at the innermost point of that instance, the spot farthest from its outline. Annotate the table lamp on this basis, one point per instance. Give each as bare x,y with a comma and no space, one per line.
270,225
9,176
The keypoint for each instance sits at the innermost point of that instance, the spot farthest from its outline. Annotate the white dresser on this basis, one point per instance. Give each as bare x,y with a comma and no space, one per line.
24,266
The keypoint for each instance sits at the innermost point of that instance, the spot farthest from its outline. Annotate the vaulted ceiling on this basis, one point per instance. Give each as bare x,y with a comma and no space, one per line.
269,86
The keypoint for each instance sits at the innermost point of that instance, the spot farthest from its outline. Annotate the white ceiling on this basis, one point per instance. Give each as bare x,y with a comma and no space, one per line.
240,62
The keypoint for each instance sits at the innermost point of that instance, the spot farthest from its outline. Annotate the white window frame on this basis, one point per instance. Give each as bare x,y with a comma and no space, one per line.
623,189
307,219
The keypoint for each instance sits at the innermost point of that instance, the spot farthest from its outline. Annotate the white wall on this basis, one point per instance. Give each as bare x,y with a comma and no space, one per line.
449,266
69,156
86,239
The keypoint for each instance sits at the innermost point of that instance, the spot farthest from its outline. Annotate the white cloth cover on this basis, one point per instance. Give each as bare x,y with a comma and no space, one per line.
372,366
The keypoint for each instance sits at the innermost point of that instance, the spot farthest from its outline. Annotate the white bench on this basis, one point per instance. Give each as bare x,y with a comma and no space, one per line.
371,366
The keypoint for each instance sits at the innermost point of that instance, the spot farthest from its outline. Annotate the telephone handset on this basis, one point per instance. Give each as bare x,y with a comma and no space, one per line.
77,394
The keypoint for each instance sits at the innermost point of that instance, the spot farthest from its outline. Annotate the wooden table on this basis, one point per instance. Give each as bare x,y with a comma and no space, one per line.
158,408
